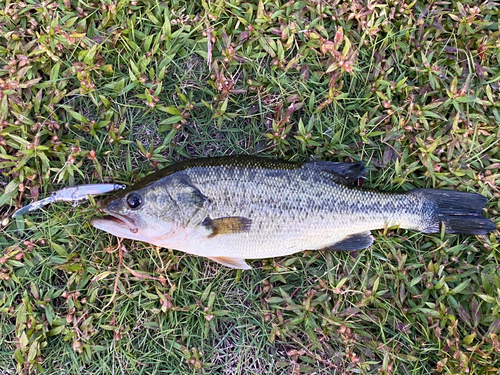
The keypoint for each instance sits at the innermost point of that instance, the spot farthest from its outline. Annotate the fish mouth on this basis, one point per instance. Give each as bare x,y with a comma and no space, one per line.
118,220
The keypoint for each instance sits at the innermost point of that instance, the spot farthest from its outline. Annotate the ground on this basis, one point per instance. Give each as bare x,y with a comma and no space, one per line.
111,91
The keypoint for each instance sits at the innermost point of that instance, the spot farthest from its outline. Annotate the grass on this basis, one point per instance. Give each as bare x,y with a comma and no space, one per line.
111,91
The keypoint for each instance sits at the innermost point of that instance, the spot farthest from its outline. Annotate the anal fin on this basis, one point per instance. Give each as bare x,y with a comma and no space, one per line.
227,225
352,242
237,263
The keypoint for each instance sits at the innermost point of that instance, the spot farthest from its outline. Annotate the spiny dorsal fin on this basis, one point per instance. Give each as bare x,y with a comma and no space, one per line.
227,225
237,263
348,172
353,242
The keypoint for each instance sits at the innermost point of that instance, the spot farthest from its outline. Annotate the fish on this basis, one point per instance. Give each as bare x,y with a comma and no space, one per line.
229,209
73,194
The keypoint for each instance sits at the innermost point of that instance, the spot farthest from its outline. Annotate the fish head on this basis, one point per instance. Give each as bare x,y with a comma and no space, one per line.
147,214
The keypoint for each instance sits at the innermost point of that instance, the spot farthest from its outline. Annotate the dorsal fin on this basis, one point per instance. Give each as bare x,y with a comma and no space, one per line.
349,173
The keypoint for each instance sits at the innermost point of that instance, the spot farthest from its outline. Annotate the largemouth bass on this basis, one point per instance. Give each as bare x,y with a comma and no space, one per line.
233,208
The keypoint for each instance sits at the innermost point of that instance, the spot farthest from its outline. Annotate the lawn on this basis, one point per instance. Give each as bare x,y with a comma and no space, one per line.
111,91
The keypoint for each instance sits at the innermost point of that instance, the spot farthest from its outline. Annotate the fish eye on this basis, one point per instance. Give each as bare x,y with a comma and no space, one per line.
134,200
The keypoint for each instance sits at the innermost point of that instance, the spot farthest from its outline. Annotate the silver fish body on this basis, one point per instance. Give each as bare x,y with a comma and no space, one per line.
231,209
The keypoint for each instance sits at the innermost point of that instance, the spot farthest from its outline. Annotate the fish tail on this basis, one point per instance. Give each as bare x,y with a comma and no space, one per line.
459,212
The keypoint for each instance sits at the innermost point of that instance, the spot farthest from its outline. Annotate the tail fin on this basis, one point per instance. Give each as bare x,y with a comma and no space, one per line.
458,211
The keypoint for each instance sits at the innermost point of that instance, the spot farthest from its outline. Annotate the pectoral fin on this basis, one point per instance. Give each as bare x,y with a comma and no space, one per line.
232,262
353,242
227,225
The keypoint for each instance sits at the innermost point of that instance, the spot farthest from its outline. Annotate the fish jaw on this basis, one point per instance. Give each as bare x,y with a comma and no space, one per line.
117,225
124,227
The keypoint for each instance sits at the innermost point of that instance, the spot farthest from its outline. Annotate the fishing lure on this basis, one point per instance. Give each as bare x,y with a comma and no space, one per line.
70,194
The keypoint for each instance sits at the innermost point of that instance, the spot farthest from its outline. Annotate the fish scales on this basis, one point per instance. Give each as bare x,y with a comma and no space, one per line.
308,210
231,209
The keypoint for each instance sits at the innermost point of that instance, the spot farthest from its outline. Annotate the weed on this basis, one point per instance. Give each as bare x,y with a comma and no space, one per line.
110,91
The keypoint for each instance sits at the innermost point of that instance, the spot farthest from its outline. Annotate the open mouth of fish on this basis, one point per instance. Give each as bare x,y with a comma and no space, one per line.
119,220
